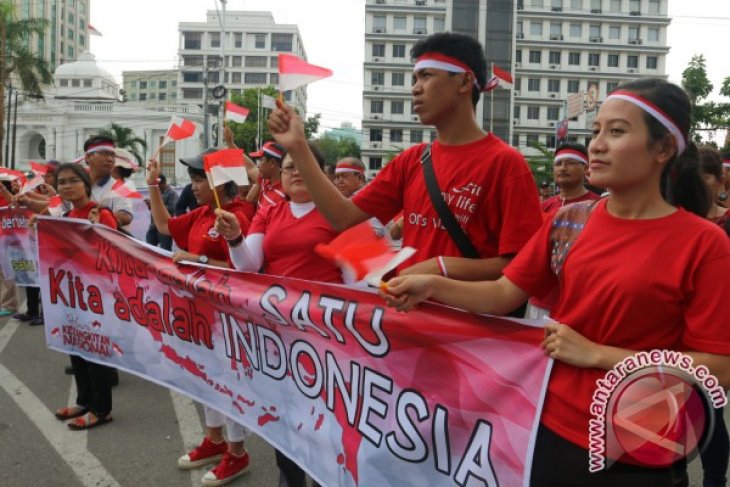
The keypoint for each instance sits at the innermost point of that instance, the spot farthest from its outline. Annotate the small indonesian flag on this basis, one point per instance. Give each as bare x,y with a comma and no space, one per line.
38,168
11,174
235,113
123,191
179,129
32,184
55,202
226,165
504,78
93,31
295,72
359,251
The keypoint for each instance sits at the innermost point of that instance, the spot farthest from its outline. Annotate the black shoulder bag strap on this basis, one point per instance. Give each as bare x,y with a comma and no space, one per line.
447,217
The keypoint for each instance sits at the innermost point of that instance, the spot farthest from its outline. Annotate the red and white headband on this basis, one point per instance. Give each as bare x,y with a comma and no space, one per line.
347,167
271,150
571,154
726,163
437,60
104,146
655,112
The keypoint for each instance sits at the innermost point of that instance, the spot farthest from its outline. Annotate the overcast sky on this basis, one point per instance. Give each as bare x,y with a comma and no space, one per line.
143,34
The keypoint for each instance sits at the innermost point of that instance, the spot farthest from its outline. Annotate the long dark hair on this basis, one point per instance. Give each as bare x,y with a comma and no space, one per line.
78,171
681,182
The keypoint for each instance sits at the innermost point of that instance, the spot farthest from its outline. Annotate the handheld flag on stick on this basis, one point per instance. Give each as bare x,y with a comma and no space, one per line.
38,168
295,72
179,129
500,78
235,113
124,191
226,165
55,202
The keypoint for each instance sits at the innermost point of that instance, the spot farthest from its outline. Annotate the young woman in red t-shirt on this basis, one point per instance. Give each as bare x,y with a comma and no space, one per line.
93,381
194,232
648,271
281,241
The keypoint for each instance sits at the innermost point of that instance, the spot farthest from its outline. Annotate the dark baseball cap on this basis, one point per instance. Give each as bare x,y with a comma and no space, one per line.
196,162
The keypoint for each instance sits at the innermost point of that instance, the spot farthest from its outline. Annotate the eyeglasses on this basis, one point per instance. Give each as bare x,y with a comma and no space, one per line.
288,169
66,182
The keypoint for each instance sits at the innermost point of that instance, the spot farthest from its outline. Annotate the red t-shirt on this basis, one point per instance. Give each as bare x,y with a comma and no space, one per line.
289,243
195,231
486,184
270,193
249,209
555,202
106,217
634,284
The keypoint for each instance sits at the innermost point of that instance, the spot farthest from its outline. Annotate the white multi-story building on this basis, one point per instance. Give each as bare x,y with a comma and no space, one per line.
151,88
250,49
564,46
553,48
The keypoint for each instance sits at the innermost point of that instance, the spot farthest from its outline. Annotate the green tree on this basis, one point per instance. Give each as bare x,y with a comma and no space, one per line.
335,148
244,134
125,138
707,116
17,59
541,165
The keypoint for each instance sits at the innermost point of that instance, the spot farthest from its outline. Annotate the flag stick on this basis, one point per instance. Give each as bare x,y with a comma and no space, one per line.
212,186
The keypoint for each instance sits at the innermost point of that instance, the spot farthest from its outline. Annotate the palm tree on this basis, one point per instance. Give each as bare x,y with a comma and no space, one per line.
126,139
17,59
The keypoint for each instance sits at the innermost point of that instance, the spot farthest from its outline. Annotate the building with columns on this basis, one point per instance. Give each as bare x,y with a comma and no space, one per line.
83,100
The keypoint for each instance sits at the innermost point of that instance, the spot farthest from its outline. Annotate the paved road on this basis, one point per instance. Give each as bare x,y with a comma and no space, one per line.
152,427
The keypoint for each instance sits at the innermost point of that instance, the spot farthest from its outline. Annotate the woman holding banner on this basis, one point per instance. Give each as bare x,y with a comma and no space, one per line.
93,381
281,241
644,270
195,234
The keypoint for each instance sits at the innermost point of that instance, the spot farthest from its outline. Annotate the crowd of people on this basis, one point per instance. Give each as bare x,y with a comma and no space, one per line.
632,252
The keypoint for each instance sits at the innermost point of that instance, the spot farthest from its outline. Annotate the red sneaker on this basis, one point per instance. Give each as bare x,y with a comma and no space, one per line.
228,469
206,452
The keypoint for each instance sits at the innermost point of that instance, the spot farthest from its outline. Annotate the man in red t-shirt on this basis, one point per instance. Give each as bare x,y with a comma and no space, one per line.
485,183
570,169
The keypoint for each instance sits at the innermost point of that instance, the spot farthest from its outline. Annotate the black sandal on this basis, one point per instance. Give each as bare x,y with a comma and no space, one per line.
65,414
80,424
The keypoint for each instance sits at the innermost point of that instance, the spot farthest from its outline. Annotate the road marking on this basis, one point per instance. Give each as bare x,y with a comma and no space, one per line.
191,431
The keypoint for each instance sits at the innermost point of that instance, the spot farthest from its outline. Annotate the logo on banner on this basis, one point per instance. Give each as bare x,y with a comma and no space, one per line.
652,409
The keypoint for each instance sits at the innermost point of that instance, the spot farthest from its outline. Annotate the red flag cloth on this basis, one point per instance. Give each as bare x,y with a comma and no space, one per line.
504,77
295,72
180,129
11,174
55,202
226,165
38,168
359,250
236,113
124,191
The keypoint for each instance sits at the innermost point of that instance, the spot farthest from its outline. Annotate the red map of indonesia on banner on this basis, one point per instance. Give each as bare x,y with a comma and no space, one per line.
18,246
356,393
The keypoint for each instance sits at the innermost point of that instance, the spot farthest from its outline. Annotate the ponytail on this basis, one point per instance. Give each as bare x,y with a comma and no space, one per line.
682,183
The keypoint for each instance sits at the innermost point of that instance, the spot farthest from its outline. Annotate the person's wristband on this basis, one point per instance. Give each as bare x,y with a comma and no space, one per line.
153,186
442,266
236,241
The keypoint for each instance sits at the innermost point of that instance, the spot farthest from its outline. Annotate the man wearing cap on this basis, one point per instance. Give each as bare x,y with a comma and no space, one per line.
268,187
485,183
570,168
100,157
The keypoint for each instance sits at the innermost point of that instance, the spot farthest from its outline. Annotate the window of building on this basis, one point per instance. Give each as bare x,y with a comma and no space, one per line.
162,97
574,58
515,140
519,28
236,61
576,30
652,34
378,50
416,136
576,4
573,86
143,96
274,62
614,32
192,60
432,135
396,135
532,140
282,42
188,93
612,61
556,3
274,79
553,113
236,78
399,23
173,83
654,7
533,84
375,163
596,5
397,79
536,3
376,135
188,77
70,34
633,33
142,85
554,57
259,41
594,30
399,50
518,55
516,112
611,86
536,57
215,39
536,28
518,83
162,85
651,62
376,106
635,5
377,78
153,84
614,5
87,83
554,86
396,107
257,61
438,24
632,61
255,78
82,40
419,25
594,59
556,28
379,23
133,83
238,40
533,113
63,82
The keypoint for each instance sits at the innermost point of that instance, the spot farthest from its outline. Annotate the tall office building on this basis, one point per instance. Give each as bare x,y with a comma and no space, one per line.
151,87
67,32
250,49
553,48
